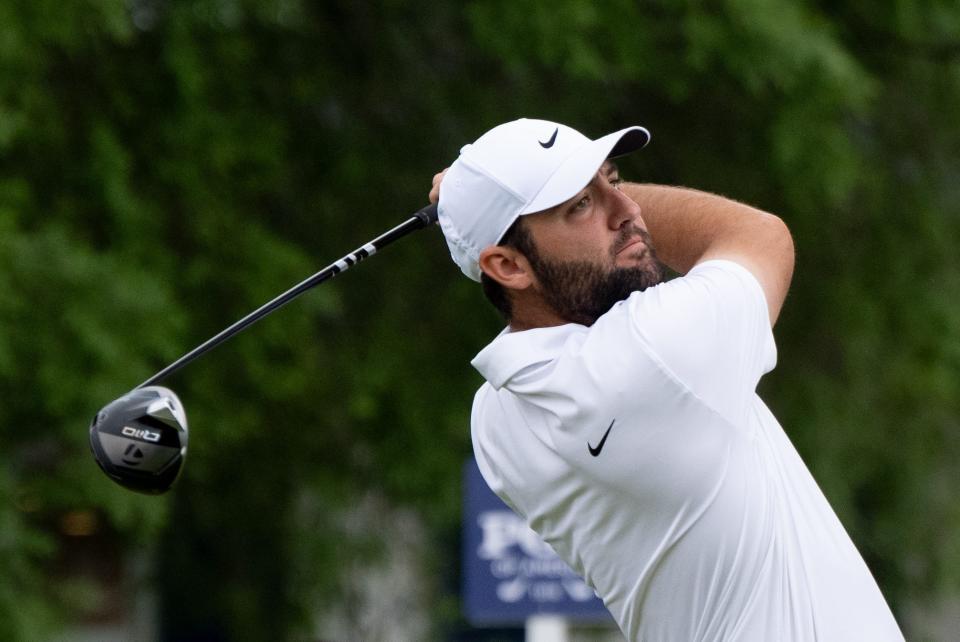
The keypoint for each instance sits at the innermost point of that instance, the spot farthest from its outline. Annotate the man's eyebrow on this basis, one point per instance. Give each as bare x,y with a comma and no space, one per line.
609,167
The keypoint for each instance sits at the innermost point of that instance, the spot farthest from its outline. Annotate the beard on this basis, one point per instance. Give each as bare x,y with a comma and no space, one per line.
583,291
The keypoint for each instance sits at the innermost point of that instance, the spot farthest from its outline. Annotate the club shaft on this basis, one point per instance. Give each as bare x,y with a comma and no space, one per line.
423,218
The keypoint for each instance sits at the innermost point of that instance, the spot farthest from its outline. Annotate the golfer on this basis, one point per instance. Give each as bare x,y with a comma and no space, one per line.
619,416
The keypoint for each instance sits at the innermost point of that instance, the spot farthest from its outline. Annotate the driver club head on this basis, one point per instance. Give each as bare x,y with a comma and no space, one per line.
140,439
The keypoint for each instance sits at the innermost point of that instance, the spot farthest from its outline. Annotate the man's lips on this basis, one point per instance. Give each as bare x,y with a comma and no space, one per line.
630,243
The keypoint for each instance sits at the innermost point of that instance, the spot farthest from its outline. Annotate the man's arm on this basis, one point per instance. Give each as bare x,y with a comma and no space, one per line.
688,227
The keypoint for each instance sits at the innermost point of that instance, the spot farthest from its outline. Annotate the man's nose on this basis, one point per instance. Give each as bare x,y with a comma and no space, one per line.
623,211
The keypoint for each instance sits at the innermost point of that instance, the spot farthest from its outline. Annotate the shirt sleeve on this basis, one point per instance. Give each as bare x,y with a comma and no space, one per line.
711,330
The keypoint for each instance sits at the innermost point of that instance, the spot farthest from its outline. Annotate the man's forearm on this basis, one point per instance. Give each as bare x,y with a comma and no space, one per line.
688,226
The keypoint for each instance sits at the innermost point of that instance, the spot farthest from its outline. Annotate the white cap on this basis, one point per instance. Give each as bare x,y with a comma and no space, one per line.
521,167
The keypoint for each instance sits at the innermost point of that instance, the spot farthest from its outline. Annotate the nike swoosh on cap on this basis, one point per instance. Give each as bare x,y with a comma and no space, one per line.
549,143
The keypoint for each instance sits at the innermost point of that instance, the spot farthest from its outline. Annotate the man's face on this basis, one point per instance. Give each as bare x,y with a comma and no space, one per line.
591,251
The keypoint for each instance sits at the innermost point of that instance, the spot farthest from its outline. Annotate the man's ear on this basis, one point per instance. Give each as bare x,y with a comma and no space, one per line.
506,266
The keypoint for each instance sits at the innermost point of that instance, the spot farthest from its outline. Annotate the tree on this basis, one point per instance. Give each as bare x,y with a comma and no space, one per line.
166,167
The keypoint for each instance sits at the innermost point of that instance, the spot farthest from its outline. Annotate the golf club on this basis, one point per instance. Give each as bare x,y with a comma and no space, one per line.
140,439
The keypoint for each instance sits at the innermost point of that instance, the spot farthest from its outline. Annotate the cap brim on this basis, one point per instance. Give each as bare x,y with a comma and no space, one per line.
577,171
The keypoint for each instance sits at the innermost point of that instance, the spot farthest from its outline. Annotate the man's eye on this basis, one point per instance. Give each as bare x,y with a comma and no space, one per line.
582,203
616,181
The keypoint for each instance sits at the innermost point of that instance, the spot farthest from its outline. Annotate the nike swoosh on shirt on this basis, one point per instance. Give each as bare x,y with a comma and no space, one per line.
603,440
549,143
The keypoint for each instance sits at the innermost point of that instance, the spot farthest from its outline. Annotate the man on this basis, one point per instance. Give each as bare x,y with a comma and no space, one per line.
619,417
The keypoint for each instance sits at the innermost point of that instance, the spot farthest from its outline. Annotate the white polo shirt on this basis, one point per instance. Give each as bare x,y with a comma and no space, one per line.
695,519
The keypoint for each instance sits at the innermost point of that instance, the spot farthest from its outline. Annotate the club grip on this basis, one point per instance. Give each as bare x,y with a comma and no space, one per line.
428,215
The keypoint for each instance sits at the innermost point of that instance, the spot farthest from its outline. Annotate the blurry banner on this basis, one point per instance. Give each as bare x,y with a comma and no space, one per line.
509,573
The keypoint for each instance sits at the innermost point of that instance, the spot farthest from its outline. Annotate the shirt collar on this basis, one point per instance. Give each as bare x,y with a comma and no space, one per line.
510,352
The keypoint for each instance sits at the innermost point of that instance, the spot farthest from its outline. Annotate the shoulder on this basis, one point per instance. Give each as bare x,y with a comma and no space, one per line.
714,296
710,329
707,281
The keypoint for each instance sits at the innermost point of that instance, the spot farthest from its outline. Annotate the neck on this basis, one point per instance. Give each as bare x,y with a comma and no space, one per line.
532,312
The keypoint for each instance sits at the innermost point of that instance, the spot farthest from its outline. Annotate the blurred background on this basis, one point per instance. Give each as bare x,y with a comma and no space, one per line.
167,166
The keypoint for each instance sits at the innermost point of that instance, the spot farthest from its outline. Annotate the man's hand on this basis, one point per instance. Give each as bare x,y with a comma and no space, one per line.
435,190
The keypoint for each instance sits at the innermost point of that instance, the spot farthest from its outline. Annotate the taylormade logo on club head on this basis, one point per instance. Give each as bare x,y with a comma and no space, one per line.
140,433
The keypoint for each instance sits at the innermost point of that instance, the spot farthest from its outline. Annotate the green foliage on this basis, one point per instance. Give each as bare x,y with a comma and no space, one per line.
166,167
